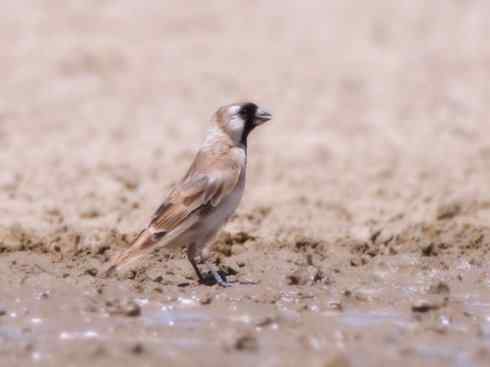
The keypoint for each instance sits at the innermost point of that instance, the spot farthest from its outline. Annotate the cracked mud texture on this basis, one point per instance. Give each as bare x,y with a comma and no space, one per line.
363,238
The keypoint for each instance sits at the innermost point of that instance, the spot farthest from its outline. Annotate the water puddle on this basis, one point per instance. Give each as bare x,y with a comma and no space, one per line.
12,334
184,324
475,305
173,317
451,354
369,319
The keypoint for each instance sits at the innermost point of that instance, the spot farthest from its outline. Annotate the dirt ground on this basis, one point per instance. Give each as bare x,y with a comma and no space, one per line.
363,238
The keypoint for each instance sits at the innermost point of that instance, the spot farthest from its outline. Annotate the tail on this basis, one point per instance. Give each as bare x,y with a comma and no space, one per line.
138,248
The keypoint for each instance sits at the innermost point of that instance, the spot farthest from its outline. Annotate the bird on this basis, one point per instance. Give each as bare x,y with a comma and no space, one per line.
206,197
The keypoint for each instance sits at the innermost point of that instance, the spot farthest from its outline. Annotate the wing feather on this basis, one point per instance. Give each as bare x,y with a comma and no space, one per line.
193,193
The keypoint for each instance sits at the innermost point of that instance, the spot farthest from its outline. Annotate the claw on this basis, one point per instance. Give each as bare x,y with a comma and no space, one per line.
223,283
216,278
219,279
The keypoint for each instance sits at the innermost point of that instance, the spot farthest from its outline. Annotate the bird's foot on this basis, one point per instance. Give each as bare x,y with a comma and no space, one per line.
219,277
215,277
223,283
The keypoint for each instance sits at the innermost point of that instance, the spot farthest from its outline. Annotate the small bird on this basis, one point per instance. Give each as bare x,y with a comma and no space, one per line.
205,199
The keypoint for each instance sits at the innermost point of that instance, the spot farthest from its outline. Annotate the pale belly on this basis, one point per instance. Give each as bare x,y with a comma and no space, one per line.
214,218
218,216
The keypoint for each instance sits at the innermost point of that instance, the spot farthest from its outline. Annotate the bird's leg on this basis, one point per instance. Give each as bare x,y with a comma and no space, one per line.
192,259
196,269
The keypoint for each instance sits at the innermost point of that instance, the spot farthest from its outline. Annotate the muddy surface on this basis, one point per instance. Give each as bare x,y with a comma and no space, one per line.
363,238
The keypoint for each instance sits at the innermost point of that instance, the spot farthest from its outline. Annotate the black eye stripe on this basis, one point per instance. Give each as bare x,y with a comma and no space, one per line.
248,112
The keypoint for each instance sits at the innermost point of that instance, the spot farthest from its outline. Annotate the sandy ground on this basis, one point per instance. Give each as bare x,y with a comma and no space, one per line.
365,221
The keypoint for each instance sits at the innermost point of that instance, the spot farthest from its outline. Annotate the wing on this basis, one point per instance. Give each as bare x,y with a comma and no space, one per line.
196,190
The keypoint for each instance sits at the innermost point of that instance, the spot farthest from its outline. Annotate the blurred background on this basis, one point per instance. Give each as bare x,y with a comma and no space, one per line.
98,92
368,186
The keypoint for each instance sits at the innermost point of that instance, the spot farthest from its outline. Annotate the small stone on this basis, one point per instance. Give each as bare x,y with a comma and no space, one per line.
89,214
266,321
128,308
92,272
439,288
158,279
137,349
305,276
336,305
429,249
129,183
27,346
301,307
374,236
339,360
355,262
155,274
448,211
2,312
91,308
132,310
99,351
425,305
421,306
206,299
244,341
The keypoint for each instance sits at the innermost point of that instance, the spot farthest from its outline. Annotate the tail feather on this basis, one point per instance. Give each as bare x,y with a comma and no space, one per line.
145,242
138,248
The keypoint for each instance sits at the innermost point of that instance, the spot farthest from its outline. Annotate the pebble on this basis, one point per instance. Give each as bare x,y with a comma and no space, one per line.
206,299
137,349
339,360
241,341
439,288
91,271
335,305
428,249
266,321
127,308
448,211
304,276
425,305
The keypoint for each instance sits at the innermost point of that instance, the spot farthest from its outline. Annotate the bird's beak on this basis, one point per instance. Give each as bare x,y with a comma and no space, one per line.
262,115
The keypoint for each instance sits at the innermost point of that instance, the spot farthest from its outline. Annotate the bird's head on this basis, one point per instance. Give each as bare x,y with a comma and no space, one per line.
238,120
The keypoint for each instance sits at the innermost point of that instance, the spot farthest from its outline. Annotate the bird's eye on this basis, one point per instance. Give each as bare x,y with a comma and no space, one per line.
247,111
